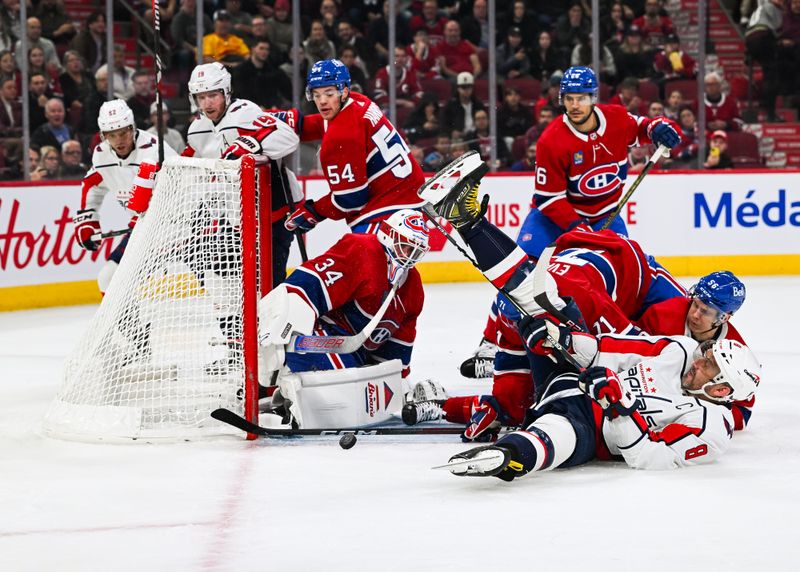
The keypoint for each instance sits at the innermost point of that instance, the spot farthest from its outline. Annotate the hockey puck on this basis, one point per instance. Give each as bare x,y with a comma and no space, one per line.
348,440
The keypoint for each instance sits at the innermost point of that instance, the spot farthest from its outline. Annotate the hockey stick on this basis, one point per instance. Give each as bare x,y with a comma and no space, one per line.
231,418
660,150
288,196
299,343
159,103
111,234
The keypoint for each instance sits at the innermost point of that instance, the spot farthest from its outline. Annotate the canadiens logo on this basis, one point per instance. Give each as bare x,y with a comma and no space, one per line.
600,180
577,157
416,223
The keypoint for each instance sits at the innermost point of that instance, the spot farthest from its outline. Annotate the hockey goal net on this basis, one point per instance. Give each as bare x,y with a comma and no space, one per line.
176,336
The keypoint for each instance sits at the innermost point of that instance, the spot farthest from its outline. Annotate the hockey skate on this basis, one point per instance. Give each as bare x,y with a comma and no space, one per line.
459,204
486,461
428,390
481,364
417,412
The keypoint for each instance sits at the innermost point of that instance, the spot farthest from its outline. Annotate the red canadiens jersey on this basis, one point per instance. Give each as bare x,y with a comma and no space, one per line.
346,286
668,318
606,273
581,175
368,165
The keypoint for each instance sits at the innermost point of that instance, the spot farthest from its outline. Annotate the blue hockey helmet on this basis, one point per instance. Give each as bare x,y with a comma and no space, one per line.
325,73
578,79
720,290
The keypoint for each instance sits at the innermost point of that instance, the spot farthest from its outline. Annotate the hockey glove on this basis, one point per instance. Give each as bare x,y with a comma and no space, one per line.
603,385
143,185
86,226
303,218
243,145
539,333
485,421
663,131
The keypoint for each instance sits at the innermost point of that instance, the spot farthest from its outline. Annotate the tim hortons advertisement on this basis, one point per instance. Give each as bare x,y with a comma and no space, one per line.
36,236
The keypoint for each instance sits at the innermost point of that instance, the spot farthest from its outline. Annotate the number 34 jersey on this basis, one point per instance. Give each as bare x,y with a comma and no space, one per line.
367,163
346,286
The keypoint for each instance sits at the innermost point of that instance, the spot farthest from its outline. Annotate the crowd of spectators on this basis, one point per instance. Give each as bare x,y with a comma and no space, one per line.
440,76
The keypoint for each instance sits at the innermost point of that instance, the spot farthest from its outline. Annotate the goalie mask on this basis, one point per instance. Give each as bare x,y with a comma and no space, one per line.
738,368
115,114
210,77
404,235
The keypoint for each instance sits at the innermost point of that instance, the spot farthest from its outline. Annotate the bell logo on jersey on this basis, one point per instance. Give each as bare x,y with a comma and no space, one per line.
601,180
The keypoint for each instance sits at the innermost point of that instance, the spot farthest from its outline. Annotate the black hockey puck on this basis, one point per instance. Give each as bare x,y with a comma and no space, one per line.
348,440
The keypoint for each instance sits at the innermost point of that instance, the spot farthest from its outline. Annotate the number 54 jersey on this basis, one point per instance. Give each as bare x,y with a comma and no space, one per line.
367,163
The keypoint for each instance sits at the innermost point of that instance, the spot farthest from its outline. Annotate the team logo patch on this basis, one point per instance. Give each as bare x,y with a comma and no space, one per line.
577,157
756,378
371,399
600,180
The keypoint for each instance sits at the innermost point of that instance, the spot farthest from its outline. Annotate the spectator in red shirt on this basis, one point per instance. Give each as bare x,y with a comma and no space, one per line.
549,97
407,90
628,97
455,55
672,62
422,55
654,26
722,111
431,20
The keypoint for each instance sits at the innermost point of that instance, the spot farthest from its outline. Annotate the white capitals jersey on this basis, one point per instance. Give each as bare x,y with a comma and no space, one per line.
111,173
243,117
669,429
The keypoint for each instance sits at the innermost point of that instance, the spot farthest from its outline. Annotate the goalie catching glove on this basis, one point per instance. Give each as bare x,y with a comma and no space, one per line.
87,225
603,386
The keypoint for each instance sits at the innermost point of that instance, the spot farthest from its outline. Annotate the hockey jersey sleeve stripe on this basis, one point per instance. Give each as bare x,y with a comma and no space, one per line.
741,416
642,347
501,272
311,288
350,200
674,432
89,192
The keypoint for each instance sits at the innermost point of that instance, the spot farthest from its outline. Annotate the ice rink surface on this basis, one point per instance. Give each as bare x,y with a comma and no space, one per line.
307,505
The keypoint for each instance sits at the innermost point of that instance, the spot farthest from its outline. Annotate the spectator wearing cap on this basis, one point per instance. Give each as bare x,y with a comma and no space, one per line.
90,42
171,136
72,168
123,75
634,58
455,55
260,80
222,45
672,62
458,113
431,20
550,96
545,58
655,26
279,27
722,111
717,153
407,90
512,58
55,132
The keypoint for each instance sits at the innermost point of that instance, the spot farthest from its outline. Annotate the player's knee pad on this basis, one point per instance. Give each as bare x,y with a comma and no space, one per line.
545,445
105,275
353,397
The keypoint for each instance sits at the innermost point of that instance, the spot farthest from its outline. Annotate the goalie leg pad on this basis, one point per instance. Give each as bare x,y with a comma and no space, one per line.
352,397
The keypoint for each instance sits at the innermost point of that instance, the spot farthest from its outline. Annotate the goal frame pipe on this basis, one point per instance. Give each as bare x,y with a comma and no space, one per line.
256,244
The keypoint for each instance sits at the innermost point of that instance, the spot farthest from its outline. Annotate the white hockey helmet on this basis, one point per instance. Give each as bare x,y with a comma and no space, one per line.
210,77
115,114
738,367
404,235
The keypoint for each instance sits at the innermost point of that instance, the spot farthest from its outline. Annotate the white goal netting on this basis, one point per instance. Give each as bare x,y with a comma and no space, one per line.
165,348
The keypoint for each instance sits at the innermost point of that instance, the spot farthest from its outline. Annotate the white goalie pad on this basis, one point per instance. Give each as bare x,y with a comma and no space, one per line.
353,397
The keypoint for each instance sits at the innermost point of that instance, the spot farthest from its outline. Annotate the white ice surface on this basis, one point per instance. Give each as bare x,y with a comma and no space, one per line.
308,505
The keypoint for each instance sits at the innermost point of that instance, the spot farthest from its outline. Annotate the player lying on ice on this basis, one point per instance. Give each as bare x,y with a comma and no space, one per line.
338,294
604,277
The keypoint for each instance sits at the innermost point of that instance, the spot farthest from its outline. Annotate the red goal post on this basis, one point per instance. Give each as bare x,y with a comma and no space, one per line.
176,335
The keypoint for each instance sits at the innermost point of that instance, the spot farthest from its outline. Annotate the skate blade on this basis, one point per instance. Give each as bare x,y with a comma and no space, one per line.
450,464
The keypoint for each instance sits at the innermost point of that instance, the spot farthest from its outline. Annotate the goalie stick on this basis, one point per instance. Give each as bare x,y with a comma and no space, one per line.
235,420
299,343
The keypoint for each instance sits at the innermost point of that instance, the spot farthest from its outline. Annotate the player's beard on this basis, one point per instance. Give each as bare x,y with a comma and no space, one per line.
582,121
